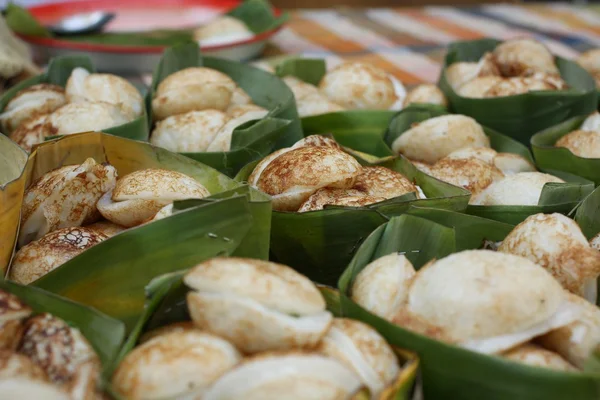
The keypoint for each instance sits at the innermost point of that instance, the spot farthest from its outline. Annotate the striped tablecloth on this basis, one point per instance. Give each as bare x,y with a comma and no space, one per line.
410,42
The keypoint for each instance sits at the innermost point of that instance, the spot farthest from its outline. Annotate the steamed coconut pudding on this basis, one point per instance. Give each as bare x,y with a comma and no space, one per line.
72,208
197,109
316,172
515,66
89,102
351,86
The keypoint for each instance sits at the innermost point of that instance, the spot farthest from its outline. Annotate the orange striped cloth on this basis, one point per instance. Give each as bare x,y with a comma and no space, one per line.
410,42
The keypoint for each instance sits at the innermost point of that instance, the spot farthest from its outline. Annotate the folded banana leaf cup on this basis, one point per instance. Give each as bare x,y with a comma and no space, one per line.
319,243
258,15
562,159
166,304
111,276
58,72
253,140
12,187
587,214
105,334
522,115
556,197
450,372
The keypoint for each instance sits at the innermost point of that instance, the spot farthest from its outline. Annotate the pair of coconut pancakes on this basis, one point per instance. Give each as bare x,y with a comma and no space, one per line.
259,331
532,301
89,102
75,207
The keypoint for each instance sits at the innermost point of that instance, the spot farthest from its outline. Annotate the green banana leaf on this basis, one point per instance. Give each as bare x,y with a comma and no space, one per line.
361,130
251,141
556,197
309,70
58,73
234,220
562,159
587,214
105,334
166,304
449,372
256,14
320,243
522,115
12,164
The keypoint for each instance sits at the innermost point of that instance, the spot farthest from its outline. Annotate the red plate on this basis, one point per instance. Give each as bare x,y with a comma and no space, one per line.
139,15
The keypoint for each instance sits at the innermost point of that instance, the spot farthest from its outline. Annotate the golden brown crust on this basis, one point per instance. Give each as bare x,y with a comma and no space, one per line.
12,314
57,348
15,365
582,143
471,174
338,197
305,170
37,258
383,182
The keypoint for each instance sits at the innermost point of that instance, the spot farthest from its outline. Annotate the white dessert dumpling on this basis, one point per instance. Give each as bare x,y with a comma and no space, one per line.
523,84
576,341
29,103
479,87
508,163
37,258
222,140
383,182
489,301
64,354
177,364
536,356
84,117
426,93
471,174
85,86
382,286
358,86
435,138
338,197
524,56
13,313
595,242
224,29
190,132
523,188
64,197
291,175
256,305
31,132
364,350
192,89
298,375
582,143
556,243
590,60
459,73
138,196
316,104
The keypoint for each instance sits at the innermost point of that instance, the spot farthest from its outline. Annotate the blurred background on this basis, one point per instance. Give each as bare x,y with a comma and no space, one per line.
365,3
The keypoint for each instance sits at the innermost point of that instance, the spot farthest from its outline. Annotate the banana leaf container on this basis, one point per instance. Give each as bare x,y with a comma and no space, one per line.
58,72
318,243
587,214
12,165
522,115
166,304
105,334
111,276
253,140
562,159
450,372
555,197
